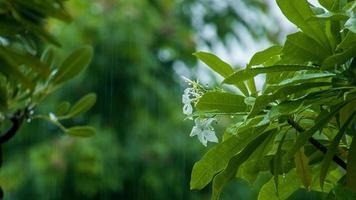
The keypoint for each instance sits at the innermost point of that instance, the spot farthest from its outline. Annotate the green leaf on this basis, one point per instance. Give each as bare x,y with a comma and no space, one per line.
282,93
81,131
328,4
351,166
288,185
285,108
217,158
301,49
17,58
348,41
302,167
339,58
298,12
332,149
250,169
9,69
76,62
215,63
48,56
83,105
62,108
246,74
277,167
262,56
219,66
229,172
222,101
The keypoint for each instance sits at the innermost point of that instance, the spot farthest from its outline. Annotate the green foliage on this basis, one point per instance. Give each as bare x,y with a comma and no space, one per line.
306,108
28,74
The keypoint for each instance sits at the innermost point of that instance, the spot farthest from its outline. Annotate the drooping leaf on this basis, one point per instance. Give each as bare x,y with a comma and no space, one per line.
351,166
250,169
222,101
332,149
303,169
81,131
229,172
76,62
217,158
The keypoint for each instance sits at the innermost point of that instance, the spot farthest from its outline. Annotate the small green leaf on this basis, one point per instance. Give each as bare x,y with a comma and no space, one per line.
62,108
83,105
222,101
81,131
351,166
76,62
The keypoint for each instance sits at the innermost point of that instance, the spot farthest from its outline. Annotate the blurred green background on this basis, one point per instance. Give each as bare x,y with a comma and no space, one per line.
142,149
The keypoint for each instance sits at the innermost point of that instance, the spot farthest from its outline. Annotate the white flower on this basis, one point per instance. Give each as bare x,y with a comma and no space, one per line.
204,130
53,117
188,97
187,109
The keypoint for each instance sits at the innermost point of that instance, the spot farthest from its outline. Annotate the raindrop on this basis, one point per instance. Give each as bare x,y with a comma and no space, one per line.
28,120
284,176
232,117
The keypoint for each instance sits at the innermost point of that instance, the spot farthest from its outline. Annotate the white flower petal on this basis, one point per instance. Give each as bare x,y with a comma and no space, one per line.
202,139
210,136
195,131
187,109
185,99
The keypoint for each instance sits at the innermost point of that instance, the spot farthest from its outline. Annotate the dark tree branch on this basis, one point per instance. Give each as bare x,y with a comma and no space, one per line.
316,143
16,121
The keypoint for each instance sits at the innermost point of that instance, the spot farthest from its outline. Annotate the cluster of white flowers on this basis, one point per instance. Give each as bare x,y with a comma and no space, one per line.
189,95
204,130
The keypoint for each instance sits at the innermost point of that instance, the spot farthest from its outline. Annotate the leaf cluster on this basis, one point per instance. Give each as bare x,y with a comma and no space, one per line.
300,126
29,72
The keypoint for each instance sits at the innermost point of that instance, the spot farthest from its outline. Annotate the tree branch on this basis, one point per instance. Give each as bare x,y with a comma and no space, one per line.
316,143
16,121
